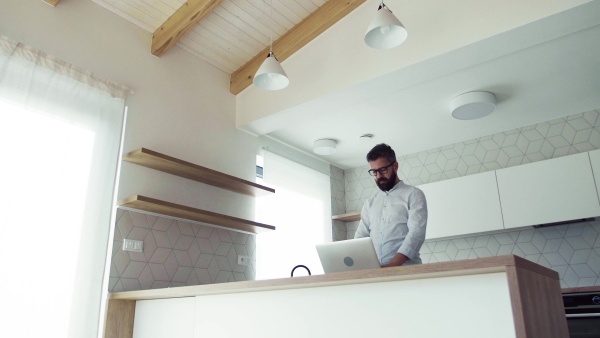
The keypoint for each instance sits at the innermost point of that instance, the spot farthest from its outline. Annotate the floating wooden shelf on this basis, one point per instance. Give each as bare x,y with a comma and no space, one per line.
349,217
155,206
171,165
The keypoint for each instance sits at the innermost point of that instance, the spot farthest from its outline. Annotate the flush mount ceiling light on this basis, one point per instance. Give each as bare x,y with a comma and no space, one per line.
270,75
324,146
473,105
385,30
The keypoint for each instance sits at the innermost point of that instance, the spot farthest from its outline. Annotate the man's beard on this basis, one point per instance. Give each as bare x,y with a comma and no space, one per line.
386,184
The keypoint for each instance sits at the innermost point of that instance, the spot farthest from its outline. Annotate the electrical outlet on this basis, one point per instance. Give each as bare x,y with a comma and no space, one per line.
131,245
243,260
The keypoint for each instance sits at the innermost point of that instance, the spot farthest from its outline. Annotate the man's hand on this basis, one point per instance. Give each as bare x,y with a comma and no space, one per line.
397,260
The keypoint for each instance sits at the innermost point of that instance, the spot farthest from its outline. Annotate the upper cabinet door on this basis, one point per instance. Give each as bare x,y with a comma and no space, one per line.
555,190
595,160
462,206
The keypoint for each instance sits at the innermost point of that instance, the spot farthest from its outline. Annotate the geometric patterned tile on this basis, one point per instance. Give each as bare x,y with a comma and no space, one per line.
566,251
555,259
440,246
571,278
528,248
493,245
533,258
580,256
134,269
462,254
146,279
481,242
451,250
589,234
158,272
578,243
587,281
594,262
482,252
552,245
176,253
505,249
583,270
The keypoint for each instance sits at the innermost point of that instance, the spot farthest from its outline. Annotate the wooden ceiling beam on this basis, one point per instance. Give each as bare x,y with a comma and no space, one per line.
181,22
51,2
296,38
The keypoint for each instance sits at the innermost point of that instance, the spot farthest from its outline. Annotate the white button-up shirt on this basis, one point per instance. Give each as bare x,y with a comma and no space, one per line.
396,221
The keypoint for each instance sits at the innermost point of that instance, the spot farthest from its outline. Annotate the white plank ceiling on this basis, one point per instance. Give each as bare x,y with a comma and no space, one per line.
229,36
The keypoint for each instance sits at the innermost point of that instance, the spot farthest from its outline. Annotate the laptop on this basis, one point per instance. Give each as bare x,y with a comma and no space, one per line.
349,255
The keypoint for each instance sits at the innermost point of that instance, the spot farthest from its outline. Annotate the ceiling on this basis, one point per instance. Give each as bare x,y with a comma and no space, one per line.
543,70
229,36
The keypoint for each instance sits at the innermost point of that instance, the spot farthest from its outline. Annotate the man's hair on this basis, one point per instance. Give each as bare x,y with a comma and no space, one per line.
382,150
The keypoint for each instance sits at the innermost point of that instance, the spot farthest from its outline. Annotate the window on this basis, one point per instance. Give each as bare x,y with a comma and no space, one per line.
300,210
60,141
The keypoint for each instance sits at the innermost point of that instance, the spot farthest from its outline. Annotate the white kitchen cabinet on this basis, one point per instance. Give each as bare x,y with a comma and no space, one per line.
164,318
463,205
595,161
549,191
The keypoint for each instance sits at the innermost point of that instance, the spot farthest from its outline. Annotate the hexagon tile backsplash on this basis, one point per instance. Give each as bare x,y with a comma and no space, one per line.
176,253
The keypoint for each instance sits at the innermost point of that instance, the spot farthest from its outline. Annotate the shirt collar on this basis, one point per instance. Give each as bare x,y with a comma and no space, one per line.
396,187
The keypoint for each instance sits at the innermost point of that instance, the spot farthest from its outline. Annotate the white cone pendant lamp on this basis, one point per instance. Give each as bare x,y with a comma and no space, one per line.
270,75
385,30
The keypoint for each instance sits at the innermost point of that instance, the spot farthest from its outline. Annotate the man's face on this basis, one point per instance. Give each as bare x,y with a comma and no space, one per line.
386,181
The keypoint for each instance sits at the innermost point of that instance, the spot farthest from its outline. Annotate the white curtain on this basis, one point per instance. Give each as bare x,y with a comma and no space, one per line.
60,135
300,210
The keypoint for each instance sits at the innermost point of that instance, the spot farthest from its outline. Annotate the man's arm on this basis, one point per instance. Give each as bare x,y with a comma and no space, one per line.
363,229
417,223
397,260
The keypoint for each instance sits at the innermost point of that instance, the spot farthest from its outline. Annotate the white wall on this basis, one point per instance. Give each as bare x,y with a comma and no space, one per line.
181,106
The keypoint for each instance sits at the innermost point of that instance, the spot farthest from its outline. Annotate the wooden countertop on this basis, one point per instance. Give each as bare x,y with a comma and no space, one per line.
582,289
434,270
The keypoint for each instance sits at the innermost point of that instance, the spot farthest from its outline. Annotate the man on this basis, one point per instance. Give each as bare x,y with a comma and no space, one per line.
396,217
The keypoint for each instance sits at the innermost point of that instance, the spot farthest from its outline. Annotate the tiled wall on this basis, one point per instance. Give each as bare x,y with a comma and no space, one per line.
176,253
338,202
573,250
570,249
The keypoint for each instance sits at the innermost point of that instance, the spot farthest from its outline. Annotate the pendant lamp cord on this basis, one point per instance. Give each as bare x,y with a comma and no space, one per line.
270,27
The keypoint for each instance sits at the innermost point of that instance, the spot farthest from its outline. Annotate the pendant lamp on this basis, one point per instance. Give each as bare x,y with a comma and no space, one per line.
385,30
270,75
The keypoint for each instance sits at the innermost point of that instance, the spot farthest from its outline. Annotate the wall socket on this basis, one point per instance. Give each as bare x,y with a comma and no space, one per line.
243,260
131,245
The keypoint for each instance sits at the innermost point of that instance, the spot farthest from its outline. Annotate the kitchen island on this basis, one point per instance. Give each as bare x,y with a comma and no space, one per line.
505,296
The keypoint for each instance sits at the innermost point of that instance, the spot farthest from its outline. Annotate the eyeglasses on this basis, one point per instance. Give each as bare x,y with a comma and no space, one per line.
381,171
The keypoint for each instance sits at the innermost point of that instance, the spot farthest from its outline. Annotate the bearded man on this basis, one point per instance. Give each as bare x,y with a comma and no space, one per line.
396,217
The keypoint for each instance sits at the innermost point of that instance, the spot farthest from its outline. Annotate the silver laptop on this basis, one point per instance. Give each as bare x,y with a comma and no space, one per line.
350,255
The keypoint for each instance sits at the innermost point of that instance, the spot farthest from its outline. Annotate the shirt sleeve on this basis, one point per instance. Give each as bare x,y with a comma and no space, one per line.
417,224
364,228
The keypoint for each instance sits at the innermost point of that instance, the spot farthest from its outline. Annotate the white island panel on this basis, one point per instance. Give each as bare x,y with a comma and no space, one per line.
164,318
458,306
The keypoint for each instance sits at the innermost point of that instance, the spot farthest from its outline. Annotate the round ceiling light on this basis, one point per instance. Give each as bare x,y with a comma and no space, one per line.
324,146
473,105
